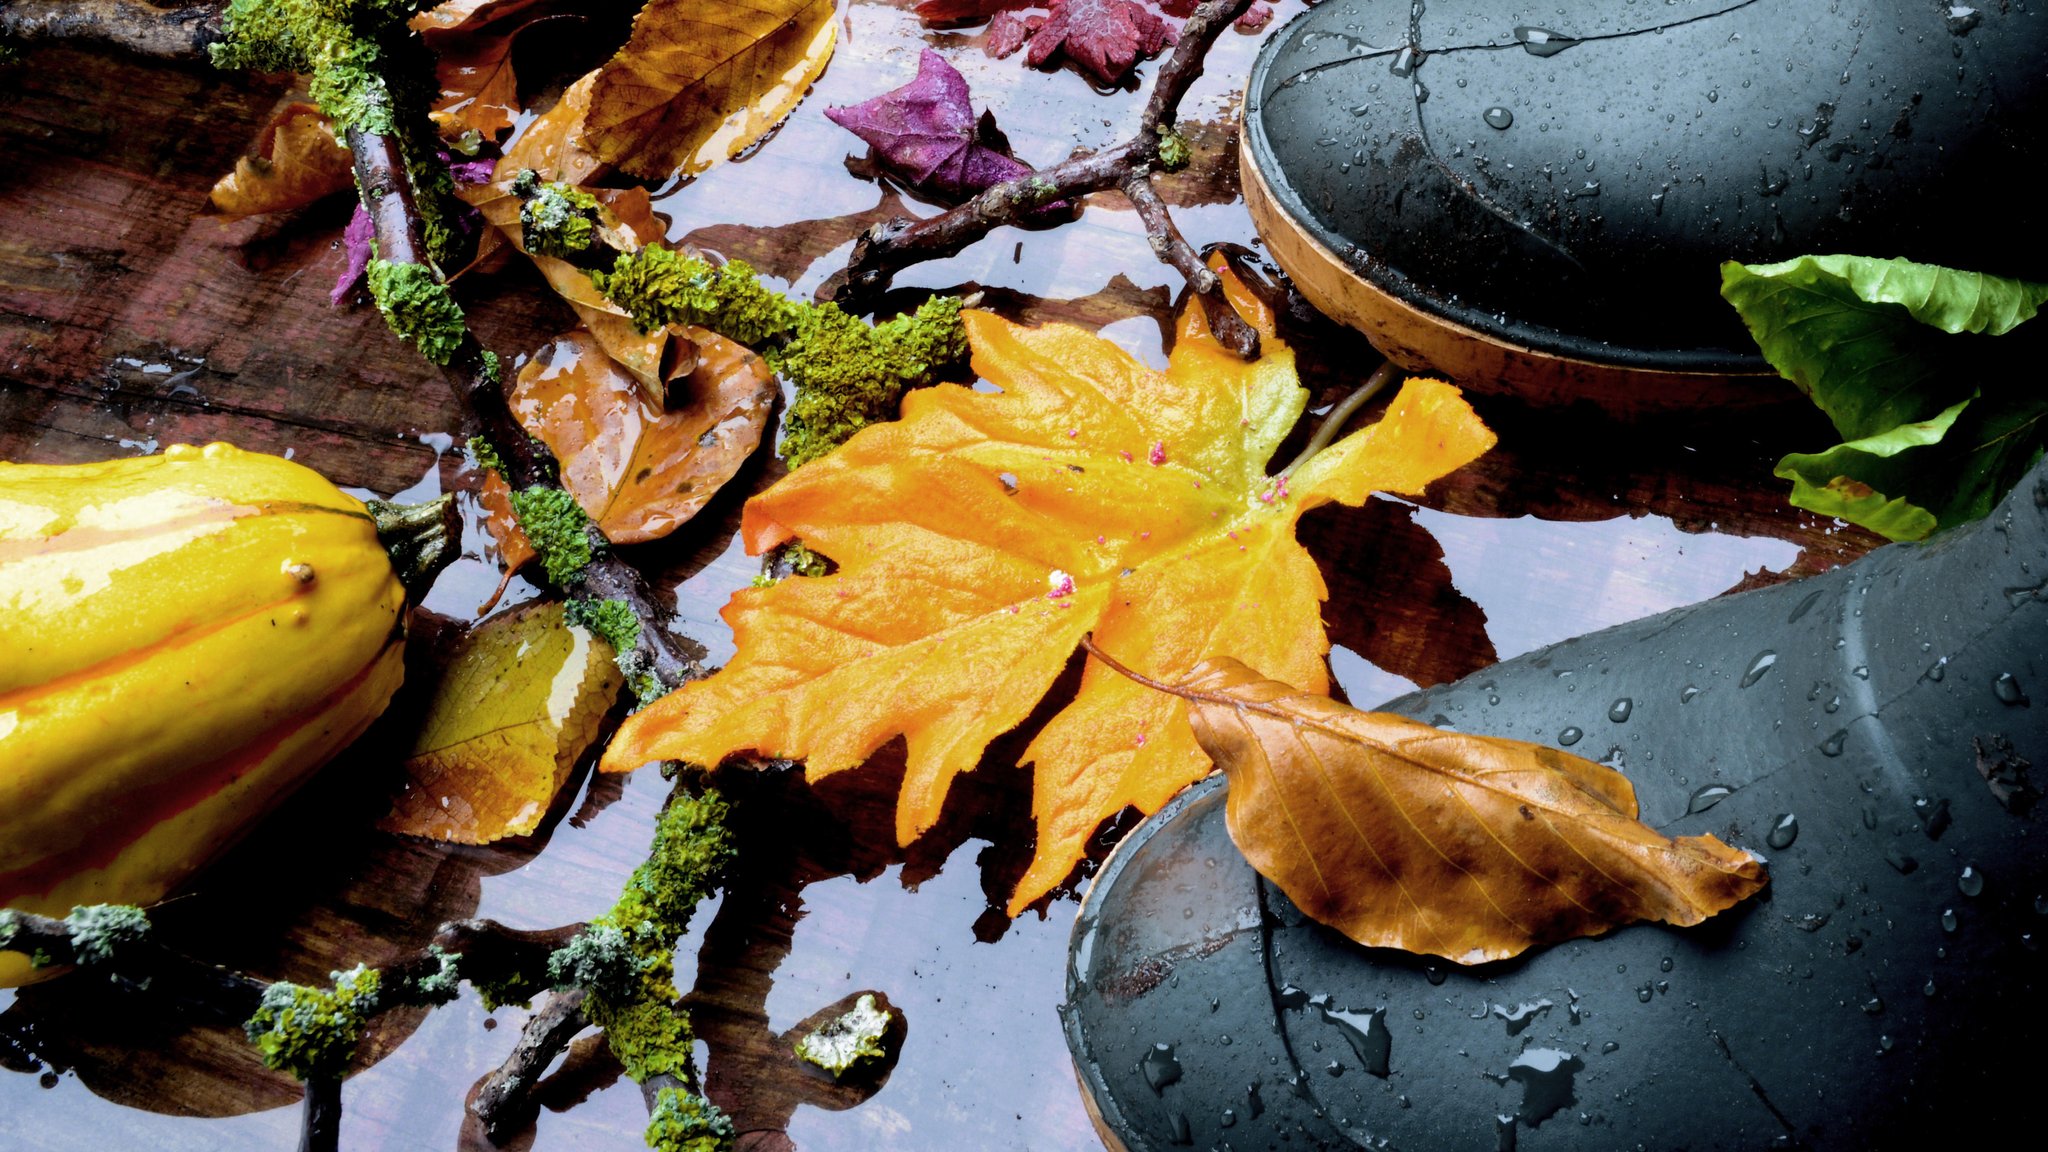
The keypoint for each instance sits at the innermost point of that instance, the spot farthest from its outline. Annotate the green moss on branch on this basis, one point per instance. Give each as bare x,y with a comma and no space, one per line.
557,528
419,308
311,1032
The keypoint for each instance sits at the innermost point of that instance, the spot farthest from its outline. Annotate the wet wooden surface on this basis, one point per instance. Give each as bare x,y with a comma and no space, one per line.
130,319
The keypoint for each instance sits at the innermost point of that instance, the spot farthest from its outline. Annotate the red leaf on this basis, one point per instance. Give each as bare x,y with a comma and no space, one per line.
1104,37
926,134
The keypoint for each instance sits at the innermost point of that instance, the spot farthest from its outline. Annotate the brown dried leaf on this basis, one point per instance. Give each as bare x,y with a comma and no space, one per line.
297,162
1467,847
701,80
522,698
639,471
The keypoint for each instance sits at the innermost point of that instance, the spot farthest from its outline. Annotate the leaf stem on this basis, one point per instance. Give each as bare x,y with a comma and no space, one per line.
1332,424
1088,642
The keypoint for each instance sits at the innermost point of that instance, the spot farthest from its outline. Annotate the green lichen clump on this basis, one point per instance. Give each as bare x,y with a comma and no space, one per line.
100,930
555,219
1173,149
660,287
311,1032
849,374
636,1005
442,985
419,308
848,1039
616,621
558,529
485,453
682,1122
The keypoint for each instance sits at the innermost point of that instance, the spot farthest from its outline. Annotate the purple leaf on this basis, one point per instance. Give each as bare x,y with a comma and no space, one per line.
926,134
356,237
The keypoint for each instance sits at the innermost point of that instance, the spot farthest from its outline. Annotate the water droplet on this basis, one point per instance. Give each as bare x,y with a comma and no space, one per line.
1503,1134
1663,986
1542,41
1521,1015
1706,796
1252,1103
1290,996
1160,1067
1434,974
1619,710
1961,19
1948,920
1861,671
1905,864
1784,832
1570,736
1643,994
1937,671
1713,96
1368,1036
1498,117
1181,1132
1927,989
1971,882
1833,705
1759,665
1873,1006
1686,694
2007,688
1832,746
1406,61
1334,1068
2041,905
1870,817
1546,1077
1228,1119
1609,1048
1664,965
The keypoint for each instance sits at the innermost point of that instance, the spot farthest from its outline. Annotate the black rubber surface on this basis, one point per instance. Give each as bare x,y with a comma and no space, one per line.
1885,990
1569,177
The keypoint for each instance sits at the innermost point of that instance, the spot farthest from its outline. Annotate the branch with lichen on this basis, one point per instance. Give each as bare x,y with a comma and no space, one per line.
181,33
893,245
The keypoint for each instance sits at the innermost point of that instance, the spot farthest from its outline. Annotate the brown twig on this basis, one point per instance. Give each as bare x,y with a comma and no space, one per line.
503,1101
893,245
1334,422
320,1130
180,33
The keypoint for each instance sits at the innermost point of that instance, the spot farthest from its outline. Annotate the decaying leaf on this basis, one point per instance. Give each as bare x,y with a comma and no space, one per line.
1105,38
297,162
1467,847
520,701
639,470
982,535
701,80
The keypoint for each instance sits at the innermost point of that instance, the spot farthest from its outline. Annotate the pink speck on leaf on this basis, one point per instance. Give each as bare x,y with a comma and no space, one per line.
356,237
1060,585
1158,454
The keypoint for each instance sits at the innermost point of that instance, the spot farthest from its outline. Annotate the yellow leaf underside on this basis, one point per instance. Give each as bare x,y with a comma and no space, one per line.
938,625
700,80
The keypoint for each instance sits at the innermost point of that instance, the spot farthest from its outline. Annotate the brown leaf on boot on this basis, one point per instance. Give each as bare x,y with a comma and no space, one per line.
1472,848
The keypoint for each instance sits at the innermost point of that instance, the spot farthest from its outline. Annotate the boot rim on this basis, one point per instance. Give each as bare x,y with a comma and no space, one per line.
1279,212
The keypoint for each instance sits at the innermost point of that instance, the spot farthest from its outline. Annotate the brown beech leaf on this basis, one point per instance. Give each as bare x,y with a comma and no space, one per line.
1467,847
521,699
297,161
701,80
638,470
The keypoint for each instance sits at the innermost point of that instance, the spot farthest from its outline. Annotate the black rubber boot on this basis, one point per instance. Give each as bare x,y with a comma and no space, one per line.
1564,180
1867,730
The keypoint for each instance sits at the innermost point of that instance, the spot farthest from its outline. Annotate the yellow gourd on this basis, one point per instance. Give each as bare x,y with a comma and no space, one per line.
183,639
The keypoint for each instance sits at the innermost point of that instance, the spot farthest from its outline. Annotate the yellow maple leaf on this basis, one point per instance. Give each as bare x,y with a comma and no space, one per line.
983,534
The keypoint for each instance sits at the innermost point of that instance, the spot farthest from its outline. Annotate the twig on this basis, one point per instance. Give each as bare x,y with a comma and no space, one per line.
504,1102
893,245
388,197
1332,424
321,1131
1171,247
164,33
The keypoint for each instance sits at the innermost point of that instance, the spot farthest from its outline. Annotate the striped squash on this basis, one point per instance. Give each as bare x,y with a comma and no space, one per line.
183,639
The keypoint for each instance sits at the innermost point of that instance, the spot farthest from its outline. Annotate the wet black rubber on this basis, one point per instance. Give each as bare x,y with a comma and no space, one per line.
1568,178
1856,728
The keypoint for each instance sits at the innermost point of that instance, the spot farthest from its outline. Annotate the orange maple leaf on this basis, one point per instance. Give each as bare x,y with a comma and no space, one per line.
982,535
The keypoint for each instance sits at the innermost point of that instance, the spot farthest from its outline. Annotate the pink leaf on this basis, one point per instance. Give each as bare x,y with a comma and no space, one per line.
356,237
926,134
1106,38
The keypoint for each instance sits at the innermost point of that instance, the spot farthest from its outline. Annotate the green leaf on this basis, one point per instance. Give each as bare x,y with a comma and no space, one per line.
1852,480
1871,341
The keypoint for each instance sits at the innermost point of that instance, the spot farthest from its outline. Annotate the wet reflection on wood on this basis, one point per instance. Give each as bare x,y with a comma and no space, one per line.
128,321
